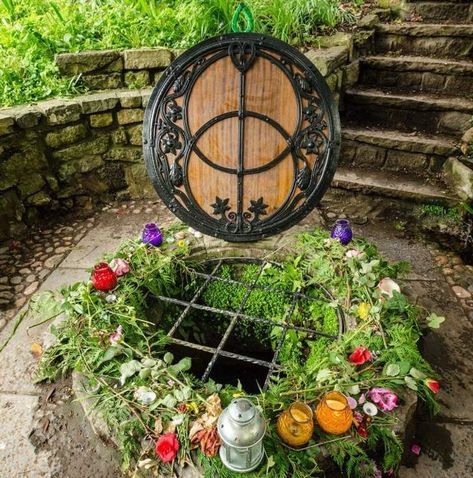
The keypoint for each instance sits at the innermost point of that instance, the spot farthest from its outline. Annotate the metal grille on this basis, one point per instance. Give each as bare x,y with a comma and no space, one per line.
238,315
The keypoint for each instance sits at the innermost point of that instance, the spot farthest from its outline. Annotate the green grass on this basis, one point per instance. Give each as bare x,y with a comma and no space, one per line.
33,31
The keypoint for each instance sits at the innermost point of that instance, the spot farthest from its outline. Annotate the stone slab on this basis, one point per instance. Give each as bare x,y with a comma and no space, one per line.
447,452
97,242
18,457
63,276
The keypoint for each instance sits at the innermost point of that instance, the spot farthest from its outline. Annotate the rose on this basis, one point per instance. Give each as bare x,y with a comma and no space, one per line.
385,399
119,266
360,356
432,384
167,447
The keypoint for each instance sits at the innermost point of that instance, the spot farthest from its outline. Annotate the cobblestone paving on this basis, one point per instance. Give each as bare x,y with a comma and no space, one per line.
25,264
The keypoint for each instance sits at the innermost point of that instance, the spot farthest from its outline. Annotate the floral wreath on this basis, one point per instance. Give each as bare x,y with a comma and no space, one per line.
163,418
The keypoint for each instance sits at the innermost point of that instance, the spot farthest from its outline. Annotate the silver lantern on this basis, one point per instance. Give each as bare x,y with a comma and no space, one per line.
241,428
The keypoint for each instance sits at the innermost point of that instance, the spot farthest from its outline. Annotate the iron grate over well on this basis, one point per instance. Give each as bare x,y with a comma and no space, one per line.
235,316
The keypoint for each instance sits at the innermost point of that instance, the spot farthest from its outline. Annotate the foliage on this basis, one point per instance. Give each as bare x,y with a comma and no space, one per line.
117,373
33,31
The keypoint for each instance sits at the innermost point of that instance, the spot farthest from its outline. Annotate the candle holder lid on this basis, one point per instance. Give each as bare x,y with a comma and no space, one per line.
241,424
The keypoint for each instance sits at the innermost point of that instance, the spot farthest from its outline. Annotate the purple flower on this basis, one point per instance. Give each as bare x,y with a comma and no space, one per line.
385,399
352,403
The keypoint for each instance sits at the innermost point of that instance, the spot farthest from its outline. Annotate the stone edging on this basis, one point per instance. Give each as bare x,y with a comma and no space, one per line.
71,153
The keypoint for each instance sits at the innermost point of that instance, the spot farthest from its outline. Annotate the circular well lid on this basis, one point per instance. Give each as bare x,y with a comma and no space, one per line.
241,136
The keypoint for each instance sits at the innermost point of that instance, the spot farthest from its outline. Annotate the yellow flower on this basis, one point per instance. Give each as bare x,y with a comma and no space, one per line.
239,394
194,407
181,243
363,310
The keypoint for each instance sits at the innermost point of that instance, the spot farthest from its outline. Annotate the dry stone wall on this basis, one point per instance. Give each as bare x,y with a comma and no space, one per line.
72,153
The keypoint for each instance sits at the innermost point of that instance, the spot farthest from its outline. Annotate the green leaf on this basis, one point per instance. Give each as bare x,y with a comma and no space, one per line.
434,321
129,369
182,366
353,389
168,357
404,367
417,374
410,382
111,353
169,401
323,375
392,370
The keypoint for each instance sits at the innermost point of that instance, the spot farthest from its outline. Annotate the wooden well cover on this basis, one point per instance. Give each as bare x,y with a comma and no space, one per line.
241,136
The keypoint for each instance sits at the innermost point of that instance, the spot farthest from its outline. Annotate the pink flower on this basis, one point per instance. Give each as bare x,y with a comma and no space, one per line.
383,398
119,266
116,336
416,449
433,385
377,473
171,383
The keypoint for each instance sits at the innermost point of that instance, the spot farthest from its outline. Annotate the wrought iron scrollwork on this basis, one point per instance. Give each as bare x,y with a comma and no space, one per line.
312,147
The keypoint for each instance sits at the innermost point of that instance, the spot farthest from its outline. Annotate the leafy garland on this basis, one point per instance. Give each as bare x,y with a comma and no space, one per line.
159,413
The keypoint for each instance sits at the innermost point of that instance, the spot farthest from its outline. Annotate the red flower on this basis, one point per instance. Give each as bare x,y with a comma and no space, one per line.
167,447
103,278
362,431
182,408
360,356
433,385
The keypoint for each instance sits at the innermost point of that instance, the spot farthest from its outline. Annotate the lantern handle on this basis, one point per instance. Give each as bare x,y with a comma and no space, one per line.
243,9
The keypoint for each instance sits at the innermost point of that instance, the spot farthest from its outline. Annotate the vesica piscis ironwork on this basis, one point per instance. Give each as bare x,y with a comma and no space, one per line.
241,136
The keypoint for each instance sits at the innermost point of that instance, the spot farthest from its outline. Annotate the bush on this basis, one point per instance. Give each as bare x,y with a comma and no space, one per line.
33,31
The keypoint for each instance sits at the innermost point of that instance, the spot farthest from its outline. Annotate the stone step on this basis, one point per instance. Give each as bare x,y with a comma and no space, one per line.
441,11
433,39
420,155
418,73
392,185
411,113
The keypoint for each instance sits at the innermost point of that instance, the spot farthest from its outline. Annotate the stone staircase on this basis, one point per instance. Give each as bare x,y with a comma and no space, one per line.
413,101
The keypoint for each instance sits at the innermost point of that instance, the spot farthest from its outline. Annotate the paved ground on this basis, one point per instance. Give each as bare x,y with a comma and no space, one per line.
44,433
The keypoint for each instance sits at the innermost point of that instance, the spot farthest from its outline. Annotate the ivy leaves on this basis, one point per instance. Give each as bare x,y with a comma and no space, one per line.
434,321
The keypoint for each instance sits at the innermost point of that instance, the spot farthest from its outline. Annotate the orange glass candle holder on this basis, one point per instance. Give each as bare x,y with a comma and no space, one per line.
334,414
296,425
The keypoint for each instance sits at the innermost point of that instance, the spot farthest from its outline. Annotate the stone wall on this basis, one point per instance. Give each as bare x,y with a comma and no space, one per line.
112,69
459,171
73,153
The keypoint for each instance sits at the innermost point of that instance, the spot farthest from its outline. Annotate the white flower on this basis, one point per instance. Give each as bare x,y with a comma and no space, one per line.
387,287
111,298
353,253
370,409
145,395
